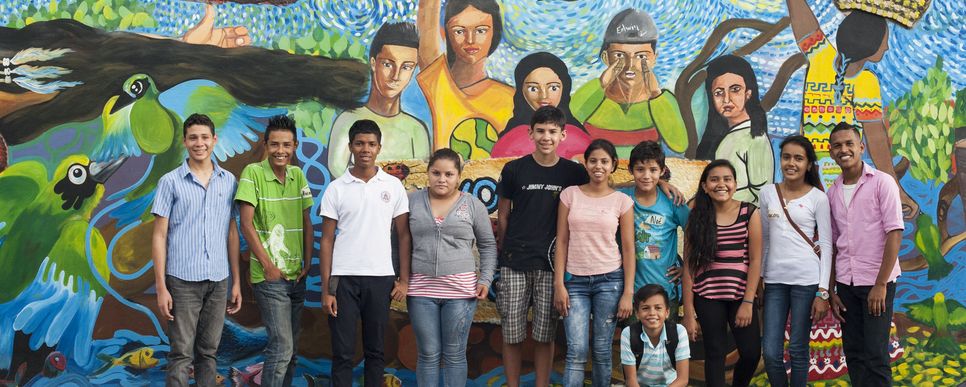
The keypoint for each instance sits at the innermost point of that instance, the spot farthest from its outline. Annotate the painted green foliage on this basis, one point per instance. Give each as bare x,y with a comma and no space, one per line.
959,112
921,126
105,14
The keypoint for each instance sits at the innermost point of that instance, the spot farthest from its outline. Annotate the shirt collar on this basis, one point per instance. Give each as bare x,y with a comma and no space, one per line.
867,172
663,339
270,173
185,171
380,175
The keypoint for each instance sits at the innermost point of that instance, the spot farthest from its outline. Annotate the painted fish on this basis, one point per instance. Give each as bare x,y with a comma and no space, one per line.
140,359
251,376
55,364
389,380
219,379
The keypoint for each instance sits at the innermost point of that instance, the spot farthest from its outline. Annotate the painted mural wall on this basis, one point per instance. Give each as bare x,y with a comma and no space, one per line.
93,93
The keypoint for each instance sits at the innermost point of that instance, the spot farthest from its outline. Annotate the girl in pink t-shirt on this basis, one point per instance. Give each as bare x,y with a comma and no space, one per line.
592,275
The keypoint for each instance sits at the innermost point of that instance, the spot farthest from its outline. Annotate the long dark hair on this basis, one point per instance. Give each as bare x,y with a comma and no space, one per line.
717,126
859,37
701,231
103,60
811,176
454,7
521,109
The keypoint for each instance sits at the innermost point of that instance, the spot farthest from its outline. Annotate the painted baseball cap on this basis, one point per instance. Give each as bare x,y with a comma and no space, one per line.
631,26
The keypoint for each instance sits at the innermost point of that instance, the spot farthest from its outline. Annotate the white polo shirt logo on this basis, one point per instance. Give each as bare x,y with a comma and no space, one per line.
385,196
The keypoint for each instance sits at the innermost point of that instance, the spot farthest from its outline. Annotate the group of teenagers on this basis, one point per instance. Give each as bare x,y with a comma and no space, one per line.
568,246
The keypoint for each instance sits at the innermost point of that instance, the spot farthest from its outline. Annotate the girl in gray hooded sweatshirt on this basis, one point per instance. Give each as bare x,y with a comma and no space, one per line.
445,283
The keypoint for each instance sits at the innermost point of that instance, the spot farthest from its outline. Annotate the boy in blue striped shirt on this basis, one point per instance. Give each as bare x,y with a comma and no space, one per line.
195,244
652,355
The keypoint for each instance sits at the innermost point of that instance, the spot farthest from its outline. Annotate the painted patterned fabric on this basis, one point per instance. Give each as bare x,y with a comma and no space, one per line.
861,100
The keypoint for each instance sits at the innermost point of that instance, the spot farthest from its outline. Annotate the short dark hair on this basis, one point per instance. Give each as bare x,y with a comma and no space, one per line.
845,126
648,291
607,147
197,119
549,115
394,34
364,127
446,154
644,151
281,122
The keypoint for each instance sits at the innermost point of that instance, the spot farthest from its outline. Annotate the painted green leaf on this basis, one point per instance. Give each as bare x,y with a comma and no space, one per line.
339,46
126,21
306,42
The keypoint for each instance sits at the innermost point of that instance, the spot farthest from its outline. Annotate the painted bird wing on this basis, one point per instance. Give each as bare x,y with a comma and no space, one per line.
70,254
957,316
922,311
21,183
236,124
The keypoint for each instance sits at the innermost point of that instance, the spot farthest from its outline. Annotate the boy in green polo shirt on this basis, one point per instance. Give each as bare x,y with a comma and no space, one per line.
274,200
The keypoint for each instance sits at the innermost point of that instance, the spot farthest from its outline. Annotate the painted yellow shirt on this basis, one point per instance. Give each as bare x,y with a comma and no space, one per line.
861,100
468,123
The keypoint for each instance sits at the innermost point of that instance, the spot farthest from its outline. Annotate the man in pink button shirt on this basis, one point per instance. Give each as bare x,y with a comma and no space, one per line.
867,229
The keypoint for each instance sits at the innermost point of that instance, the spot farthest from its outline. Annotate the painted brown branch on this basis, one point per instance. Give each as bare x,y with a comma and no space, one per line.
693,75
901,168
789,67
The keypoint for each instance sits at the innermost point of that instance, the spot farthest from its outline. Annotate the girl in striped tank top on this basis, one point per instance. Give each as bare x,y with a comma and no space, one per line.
722,267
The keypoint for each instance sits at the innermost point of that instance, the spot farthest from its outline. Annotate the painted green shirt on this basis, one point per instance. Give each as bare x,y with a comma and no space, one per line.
753,160
278,215
403,138
591,107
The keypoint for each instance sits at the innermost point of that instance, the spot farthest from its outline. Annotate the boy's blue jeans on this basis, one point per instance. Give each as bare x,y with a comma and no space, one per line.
280,303
596,295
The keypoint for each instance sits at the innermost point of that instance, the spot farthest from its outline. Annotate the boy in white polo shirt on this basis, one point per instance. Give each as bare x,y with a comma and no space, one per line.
359,209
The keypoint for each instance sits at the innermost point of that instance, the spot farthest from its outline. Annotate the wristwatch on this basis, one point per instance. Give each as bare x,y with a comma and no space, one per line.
823,294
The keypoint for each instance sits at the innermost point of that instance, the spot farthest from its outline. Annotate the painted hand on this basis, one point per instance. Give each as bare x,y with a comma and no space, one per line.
206,33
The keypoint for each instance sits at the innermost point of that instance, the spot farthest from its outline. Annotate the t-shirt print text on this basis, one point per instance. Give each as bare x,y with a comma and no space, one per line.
545,187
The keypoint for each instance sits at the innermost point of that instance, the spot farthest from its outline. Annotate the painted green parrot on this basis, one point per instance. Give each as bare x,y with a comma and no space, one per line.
50,219
49,289
144,119
946,316
136,121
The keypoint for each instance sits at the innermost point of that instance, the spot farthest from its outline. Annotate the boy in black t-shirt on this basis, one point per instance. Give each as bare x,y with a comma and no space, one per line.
529,191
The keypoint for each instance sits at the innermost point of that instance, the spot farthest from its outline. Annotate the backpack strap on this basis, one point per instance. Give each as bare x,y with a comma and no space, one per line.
671,344
637,345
